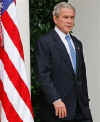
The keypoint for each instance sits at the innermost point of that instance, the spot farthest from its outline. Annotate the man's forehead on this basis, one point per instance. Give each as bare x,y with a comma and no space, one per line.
67,11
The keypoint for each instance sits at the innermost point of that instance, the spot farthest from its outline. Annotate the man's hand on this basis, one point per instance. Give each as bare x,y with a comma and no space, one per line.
60,108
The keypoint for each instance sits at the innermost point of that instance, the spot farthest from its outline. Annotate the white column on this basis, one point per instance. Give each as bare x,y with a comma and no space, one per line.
87,28
23,22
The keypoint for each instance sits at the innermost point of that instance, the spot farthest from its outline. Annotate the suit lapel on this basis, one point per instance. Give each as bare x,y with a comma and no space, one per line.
77,50
63,51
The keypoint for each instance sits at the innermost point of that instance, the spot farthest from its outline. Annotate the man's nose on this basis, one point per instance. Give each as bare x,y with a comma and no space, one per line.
69,20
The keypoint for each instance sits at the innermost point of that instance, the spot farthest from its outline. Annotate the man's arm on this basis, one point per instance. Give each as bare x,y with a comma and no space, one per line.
46,82
44,71
83,75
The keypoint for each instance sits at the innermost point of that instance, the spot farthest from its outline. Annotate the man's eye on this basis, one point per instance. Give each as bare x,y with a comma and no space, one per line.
72,17
66,17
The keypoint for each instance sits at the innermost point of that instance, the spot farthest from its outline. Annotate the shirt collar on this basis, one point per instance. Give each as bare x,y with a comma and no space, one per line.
60,33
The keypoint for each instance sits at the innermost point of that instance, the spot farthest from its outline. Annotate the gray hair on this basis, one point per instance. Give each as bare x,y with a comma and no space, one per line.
60,5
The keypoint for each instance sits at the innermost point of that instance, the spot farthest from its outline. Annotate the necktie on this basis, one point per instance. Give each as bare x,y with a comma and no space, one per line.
72,51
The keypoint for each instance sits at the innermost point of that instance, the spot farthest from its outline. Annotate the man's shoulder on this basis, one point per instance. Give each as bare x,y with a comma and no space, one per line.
76,39
48,36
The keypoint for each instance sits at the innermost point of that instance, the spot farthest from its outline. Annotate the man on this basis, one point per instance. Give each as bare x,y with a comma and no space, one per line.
61,71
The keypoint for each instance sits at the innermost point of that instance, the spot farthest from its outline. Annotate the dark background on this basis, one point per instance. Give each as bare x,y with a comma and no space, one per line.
40,23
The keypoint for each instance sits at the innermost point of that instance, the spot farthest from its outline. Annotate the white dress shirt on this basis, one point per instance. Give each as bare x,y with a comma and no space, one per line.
62,37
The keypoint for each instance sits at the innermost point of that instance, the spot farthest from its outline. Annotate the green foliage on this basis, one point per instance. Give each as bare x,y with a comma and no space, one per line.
40,23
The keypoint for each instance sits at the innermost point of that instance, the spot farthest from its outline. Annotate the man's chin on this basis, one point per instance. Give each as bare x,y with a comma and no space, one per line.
67,31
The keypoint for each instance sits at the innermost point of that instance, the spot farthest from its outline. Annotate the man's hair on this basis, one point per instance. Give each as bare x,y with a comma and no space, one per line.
60,5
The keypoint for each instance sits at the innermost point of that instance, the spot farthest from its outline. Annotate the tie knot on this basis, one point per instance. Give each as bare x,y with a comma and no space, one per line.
67,37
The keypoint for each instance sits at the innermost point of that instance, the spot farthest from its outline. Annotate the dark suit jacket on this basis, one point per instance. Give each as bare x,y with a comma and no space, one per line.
57,78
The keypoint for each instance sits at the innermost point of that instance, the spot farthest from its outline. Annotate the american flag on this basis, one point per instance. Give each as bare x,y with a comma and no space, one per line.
15,98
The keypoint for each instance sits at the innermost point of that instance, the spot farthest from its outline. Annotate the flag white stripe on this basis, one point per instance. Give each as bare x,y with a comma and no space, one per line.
14,98
11,11
15,58
3,117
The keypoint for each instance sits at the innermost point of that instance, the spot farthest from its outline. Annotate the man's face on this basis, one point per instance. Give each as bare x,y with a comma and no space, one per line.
65,20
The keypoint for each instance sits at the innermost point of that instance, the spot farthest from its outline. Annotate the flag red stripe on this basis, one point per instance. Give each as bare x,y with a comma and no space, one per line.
12,32
15,1
10,112
16,79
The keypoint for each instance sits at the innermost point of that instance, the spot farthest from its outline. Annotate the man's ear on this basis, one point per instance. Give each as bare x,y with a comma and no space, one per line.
55,19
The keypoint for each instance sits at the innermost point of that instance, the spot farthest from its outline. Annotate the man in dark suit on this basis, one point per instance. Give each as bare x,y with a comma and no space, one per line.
62,72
